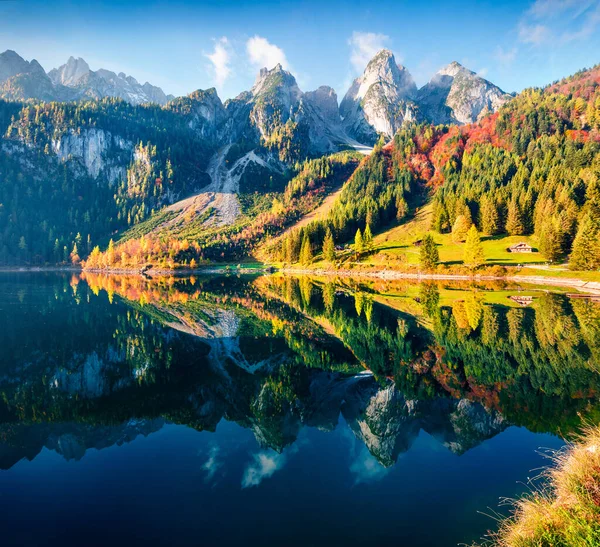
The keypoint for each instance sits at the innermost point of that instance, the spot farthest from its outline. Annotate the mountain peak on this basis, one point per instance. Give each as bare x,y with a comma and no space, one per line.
12,64
71,72
380,100
456,94
268,80
11,54
453,69
382,56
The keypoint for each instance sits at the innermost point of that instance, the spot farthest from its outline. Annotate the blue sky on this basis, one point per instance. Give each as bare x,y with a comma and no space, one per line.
182,46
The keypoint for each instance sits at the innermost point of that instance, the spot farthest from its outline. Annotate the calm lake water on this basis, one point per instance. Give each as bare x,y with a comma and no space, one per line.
279,411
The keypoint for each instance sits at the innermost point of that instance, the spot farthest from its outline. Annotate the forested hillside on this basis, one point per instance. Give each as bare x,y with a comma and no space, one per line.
74,172
531,168
194,241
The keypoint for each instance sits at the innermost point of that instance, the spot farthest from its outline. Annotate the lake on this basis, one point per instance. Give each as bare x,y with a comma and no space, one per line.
275,410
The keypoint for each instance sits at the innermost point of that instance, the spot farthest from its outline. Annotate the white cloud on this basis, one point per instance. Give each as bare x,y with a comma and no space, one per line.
534,34
505,57
559,21
263,466
364,46
553,8
366,468
212,464
220,60
587,28
263,53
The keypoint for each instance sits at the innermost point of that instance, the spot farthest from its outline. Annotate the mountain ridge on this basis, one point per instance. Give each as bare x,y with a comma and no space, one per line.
21,80
379,102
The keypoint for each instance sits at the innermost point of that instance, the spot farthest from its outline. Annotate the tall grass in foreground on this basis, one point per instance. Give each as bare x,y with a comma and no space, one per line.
567,511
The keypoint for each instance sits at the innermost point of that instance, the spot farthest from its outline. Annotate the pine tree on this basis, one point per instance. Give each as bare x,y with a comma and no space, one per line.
75,254
460,228
514,219
490,220
550,241
359,245
368,238
428,254
586,247
473,256
329,247
292,244
306,251
462,209
110,253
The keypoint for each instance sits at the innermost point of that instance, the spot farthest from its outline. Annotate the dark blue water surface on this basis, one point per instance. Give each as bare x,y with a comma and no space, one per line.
274,411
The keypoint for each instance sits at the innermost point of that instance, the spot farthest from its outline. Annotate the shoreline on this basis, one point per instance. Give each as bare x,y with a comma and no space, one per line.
586,286
592,287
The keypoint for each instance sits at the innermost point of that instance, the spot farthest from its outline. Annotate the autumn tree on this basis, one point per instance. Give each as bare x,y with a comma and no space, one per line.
473,255
550,241
428,253
75,255
460,228
110,253
515,225
489,218
368,238
306,251
329,246
586,247
359,245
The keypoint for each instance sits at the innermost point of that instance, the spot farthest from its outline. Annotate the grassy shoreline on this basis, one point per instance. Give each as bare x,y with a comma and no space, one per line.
564,513
587,282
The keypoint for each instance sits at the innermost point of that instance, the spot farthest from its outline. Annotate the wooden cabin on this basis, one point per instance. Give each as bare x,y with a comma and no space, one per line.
521,247
521,299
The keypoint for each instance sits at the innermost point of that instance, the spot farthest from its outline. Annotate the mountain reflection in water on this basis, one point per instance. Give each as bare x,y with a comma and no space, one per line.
94,361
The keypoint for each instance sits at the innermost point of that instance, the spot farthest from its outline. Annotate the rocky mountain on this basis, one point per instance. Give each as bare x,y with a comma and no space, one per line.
385,97
81,82
205,114
20,79
275,112
455,94
380,101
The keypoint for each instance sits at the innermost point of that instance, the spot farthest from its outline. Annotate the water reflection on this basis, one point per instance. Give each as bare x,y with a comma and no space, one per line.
92,361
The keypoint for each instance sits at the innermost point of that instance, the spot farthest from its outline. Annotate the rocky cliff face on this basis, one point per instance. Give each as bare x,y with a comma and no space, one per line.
325,102
458,95
90,146
380,101
205,114
262,113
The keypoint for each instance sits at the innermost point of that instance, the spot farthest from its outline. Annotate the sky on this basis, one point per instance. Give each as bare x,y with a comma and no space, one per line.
182,46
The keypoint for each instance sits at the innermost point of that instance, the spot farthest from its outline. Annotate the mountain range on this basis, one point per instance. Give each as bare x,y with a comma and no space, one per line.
378,103
21,80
